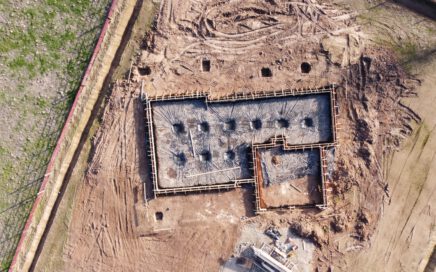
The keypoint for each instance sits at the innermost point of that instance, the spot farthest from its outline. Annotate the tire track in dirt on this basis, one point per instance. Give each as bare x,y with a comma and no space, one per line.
103,232
189,238
224,30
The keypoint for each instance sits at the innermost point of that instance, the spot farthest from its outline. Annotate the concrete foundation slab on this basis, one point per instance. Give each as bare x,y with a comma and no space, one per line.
201,143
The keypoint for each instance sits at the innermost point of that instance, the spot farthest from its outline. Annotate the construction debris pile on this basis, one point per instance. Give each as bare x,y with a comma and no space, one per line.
274,250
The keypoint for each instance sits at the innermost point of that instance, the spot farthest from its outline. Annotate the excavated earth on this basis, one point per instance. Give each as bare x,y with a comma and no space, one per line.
113,228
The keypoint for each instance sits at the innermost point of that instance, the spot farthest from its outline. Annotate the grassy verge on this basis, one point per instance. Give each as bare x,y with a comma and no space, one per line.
51,258
44,49
412,38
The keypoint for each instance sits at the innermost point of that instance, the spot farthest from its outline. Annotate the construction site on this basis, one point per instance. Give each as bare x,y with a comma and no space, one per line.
269,139
243,135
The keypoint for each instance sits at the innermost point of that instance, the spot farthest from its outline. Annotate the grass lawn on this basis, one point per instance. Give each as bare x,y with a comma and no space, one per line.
44,49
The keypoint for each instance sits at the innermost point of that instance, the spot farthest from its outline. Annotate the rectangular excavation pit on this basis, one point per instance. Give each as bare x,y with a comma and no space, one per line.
290,177
203,144
205,65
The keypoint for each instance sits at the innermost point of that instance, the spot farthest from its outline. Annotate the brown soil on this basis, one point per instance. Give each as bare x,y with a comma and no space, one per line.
113,228
240,39
303,191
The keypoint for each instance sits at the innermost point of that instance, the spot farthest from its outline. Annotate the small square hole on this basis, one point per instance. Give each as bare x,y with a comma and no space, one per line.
230,125
266,72
144,71
178,128
282,123
229,155
205,156
203,127
305,67
159,216
255,124
205,65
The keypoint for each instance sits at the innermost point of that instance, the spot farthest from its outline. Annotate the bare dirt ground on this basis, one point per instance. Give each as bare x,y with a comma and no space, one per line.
117,232
405,235
239,38
303,191
112,228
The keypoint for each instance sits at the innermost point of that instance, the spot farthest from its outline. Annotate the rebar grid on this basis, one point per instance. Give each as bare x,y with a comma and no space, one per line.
277,140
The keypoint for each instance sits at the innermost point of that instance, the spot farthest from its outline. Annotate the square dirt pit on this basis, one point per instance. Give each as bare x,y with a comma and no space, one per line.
290,177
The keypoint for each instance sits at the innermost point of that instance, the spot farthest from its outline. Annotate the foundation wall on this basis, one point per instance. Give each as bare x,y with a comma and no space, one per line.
234,182
206,144
280,142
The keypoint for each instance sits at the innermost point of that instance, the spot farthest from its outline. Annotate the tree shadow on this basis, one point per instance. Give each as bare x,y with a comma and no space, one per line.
424,8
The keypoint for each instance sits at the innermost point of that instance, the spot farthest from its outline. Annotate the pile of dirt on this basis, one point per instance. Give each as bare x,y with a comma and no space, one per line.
373,124
361,226
310,231
339,223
